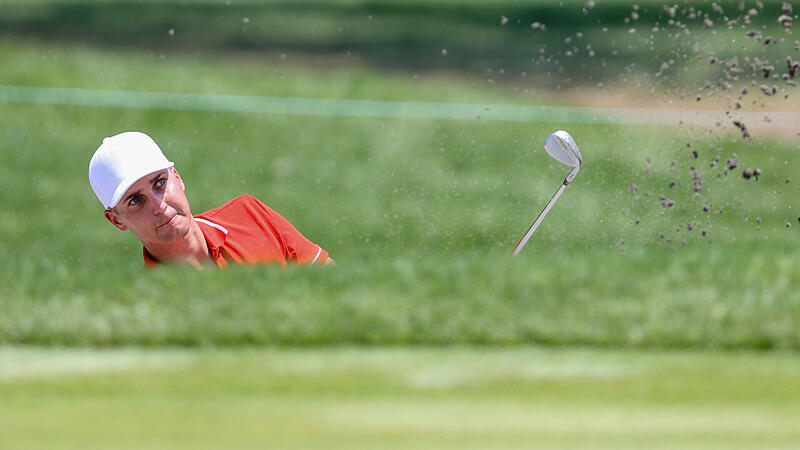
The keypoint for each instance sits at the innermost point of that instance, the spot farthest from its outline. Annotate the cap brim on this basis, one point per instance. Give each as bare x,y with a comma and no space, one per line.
123,187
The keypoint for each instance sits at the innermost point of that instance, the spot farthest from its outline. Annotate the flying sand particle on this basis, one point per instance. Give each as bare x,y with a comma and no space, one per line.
731,163
697,182
792,66
741,126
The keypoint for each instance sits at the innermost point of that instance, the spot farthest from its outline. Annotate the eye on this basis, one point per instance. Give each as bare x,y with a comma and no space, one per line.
135,200
161,183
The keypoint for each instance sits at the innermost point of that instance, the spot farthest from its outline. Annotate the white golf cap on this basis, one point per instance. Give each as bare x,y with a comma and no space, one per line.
121,161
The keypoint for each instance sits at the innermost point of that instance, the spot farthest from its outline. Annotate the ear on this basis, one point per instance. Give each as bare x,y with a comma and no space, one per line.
178,177
114,219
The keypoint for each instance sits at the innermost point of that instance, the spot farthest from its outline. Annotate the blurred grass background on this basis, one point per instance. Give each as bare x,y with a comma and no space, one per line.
559,44
397,398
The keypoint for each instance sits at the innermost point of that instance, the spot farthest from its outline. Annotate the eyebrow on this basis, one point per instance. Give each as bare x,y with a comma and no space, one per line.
152,180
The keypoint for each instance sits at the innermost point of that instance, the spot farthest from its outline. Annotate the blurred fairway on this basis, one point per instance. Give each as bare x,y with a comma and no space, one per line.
397,398
493,42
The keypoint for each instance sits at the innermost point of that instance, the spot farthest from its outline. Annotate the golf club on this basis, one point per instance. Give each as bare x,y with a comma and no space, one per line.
562,147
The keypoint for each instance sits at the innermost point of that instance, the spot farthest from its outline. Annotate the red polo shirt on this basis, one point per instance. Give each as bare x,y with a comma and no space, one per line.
246,231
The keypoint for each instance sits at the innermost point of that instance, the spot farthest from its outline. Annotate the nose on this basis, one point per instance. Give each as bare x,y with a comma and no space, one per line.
159,205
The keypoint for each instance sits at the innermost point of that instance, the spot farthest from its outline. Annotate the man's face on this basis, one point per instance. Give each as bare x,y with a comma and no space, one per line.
154,208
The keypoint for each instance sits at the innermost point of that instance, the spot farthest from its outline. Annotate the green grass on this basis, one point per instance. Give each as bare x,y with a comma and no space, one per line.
410,36
421,215
397,398
422,336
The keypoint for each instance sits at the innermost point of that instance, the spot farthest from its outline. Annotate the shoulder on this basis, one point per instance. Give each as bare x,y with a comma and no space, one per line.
242,202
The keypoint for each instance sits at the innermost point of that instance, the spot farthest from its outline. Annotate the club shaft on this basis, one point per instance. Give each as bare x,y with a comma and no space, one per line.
538,220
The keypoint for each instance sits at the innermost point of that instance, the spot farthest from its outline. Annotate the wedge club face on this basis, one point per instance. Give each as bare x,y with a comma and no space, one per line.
563,148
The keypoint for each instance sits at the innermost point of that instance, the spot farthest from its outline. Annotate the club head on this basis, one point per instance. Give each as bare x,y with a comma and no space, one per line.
563,148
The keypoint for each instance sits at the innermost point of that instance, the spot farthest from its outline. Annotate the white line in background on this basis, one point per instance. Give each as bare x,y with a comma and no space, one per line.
97,98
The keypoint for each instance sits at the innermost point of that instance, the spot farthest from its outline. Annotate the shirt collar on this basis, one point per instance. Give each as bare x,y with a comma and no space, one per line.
215,235
149,261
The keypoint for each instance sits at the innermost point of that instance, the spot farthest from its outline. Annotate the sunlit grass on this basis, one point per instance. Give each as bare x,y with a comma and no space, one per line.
397,398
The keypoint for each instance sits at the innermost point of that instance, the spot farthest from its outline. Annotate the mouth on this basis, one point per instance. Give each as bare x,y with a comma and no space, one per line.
167,221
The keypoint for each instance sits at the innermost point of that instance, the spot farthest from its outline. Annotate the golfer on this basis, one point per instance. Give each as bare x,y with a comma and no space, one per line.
143,192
